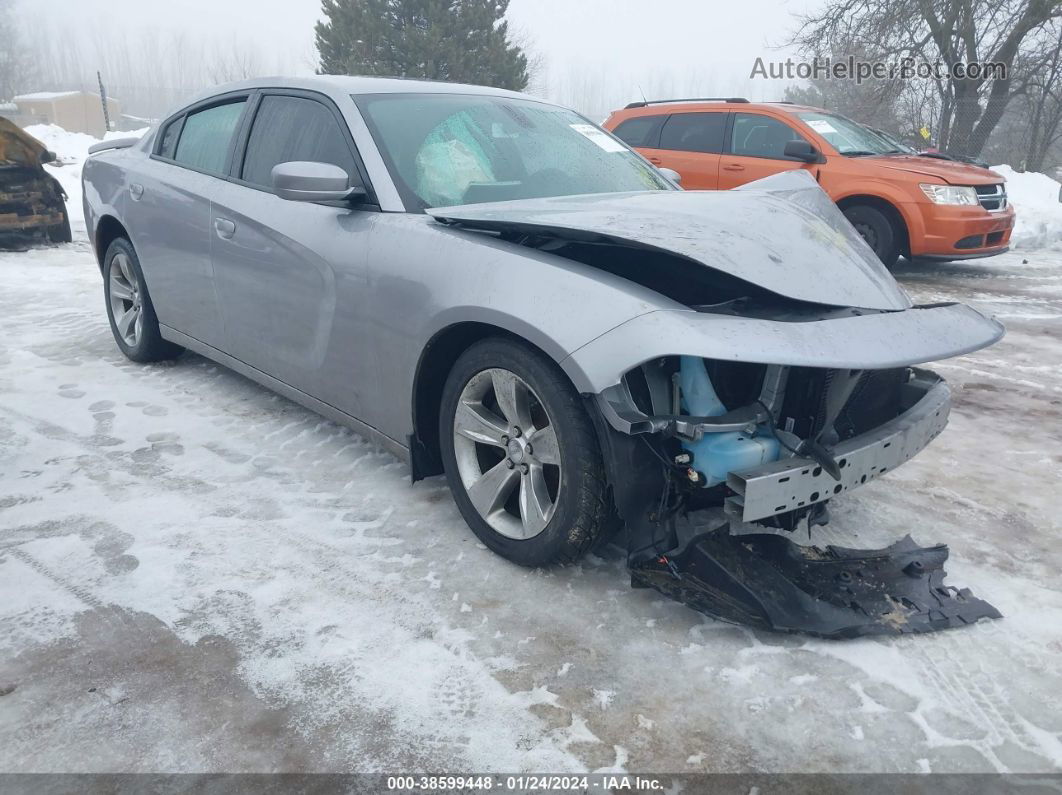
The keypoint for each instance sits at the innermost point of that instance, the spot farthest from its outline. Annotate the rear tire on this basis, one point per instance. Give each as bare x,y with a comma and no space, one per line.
540,489
129,308
875,228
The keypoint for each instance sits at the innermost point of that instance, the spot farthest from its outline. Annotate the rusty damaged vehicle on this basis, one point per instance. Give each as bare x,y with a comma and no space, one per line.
497,290
32,202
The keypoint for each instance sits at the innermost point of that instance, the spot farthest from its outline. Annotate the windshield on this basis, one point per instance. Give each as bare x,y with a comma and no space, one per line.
447,149
848,137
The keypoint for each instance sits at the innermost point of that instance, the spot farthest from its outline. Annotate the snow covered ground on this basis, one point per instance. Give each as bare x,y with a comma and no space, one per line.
197,575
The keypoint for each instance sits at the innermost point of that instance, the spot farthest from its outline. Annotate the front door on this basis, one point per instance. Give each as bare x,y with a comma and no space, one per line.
756,149
289,273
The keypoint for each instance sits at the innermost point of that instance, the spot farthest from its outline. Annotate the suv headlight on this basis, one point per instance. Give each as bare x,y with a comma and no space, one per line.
950,194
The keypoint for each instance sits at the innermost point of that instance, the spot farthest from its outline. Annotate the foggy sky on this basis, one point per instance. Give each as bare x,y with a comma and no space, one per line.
591,54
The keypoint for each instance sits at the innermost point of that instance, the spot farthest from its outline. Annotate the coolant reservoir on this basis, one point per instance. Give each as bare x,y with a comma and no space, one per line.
717,454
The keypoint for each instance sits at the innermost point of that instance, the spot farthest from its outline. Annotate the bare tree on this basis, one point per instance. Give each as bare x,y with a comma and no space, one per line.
17,64
150,71
943,32
1041,104
873,102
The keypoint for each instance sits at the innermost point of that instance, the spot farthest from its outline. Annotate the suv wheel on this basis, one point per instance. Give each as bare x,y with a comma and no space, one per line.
877,230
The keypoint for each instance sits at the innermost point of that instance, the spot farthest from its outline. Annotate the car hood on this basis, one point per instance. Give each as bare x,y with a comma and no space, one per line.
950,171
17,147
782,233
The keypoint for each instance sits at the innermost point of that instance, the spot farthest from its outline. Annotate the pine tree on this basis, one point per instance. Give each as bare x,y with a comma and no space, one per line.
462,41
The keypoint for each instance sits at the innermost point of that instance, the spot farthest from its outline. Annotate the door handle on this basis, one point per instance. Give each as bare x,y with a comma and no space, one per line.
656,161
136,190
733,167
224,227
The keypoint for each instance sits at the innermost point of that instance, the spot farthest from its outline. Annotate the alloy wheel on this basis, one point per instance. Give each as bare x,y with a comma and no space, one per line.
507,453
125,297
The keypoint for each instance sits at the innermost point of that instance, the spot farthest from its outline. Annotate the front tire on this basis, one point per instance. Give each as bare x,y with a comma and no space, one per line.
521,456
875,228
129,308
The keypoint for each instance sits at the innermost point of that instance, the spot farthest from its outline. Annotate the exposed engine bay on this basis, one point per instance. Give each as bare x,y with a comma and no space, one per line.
771,447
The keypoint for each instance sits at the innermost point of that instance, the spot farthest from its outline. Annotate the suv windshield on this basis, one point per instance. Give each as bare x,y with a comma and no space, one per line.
848,137
447,149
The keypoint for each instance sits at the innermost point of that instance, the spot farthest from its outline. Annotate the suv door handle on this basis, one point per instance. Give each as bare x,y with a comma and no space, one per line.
734,167
224,227
136,190
656,161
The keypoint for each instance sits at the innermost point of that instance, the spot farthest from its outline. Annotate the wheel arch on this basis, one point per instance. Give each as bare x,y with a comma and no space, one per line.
436,360
108,229
890,209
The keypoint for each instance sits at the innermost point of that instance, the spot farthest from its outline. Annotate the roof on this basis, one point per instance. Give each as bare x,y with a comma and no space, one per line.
733,103
349,84
44,96
789,107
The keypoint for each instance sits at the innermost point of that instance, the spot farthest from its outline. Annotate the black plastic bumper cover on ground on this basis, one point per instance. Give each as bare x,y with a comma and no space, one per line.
769,582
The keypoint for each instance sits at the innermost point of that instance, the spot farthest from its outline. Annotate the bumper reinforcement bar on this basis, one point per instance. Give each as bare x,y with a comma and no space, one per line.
792,483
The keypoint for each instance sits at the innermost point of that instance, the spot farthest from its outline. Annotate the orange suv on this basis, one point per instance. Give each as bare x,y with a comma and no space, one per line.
901,202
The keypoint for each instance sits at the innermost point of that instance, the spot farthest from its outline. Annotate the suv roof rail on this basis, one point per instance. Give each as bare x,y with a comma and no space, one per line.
643,103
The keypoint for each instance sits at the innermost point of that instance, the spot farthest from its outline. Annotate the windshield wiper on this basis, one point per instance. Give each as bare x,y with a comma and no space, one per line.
860,153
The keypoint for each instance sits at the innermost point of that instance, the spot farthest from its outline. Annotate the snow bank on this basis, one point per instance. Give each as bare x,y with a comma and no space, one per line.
71,149
1039,213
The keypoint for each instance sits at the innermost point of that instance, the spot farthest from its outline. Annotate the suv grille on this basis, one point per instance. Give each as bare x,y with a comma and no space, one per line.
992,197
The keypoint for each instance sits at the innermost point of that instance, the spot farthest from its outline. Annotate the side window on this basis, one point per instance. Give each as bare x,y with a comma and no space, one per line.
206,135
169,138
293,128
639,131
694,132
761,136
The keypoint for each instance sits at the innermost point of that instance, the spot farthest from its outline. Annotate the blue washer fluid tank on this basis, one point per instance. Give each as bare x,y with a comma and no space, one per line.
717,454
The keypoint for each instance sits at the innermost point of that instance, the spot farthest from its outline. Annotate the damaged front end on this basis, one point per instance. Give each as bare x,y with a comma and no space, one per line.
776,371
774,446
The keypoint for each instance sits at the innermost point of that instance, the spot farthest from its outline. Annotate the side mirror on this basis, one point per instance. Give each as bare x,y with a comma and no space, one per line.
304,181
801,150
47,156
671,174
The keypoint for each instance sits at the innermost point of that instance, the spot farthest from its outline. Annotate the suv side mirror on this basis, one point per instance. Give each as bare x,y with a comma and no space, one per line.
671,174
47,156
801,150
305,181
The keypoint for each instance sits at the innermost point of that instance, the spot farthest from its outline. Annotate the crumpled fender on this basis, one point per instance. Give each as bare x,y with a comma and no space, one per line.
867,341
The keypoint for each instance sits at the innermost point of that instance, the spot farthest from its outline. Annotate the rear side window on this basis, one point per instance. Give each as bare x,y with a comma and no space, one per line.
169,139
639,131
694,132
761,136
206,136
293,128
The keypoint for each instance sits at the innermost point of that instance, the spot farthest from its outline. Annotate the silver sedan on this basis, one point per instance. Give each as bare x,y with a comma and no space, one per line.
495,289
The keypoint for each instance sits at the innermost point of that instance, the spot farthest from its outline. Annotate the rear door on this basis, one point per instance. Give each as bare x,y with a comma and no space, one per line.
168,214
691,143
755,145
290,273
